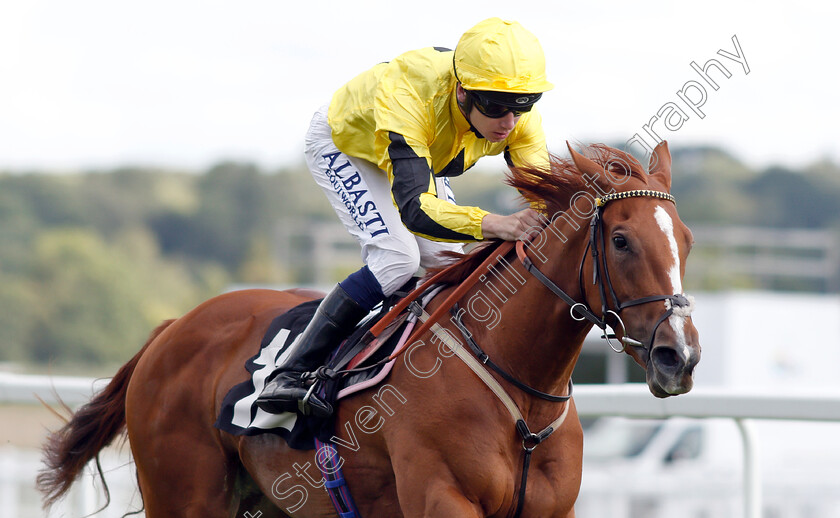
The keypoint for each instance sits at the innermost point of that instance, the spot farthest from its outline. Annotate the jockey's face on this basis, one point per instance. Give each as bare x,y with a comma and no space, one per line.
494,129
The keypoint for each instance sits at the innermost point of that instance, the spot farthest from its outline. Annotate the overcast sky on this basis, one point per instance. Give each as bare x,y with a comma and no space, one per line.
104,83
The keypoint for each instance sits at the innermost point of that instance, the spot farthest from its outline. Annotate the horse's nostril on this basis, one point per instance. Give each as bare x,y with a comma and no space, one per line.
666,358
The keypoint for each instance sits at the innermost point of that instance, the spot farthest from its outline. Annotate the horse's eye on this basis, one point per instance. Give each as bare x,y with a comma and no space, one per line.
620,242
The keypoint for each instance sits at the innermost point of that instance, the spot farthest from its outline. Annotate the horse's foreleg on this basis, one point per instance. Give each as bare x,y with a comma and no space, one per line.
449,502
428,494
441,502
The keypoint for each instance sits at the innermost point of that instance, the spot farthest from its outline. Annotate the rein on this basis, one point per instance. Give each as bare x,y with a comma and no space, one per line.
459,292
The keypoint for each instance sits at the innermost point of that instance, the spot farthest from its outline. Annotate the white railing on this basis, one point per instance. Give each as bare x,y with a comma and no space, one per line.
634,400
592,401
19,467
27,388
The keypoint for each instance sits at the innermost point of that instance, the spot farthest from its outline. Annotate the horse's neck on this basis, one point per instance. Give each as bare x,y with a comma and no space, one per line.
522,325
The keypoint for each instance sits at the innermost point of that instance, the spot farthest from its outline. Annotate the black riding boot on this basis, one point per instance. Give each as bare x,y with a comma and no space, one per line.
334,319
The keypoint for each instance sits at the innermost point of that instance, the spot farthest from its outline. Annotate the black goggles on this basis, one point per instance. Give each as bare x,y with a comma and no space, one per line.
497,104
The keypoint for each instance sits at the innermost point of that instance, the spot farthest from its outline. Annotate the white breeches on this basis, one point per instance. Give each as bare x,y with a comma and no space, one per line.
361,196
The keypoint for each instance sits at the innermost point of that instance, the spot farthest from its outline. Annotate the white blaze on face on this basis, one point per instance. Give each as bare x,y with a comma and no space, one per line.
666,224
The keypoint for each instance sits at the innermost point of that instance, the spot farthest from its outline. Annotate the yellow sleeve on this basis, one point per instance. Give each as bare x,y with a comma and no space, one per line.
405,123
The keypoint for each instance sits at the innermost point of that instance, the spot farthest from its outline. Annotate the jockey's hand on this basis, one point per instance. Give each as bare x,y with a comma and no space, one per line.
520,225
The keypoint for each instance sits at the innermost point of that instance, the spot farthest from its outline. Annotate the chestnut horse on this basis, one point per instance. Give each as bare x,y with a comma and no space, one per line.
435,440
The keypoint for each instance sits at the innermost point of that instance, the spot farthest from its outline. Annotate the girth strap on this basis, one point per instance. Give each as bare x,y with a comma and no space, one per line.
530,440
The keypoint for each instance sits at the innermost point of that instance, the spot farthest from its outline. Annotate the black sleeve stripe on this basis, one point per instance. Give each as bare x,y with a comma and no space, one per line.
412,177
399,148
455,167
508,158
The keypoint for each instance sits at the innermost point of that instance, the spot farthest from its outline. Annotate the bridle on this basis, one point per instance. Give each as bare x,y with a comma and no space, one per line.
581,311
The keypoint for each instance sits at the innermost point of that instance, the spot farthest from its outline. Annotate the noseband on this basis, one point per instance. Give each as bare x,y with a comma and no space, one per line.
581,311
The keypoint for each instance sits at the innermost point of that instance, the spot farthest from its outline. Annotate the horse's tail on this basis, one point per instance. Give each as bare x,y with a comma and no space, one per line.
88,431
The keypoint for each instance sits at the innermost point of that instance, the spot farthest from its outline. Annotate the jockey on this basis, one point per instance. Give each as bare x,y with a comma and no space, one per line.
383,150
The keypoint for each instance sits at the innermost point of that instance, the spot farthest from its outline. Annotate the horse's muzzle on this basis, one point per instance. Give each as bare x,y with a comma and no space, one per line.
670,369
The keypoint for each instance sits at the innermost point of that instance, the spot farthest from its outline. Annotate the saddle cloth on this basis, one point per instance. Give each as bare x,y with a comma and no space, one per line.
239,414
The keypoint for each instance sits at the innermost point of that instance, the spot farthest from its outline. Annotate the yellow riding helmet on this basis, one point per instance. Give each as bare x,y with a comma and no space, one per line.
500,56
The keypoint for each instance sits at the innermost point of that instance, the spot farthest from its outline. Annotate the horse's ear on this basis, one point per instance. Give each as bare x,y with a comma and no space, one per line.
583,164
660,164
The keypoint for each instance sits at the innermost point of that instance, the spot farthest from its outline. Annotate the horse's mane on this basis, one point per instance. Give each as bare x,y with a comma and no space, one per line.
552,189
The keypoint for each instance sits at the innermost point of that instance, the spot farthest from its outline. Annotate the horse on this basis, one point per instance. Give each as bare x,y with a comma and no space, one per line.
438,438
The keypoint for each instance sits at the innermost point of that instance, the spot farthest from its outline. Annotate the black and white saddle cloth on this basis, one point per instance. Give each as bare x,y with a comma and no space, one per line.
239,414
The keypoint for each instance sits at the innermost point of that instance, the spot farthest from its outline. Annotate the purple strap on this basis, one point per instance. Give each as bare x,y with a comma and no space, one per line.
335,483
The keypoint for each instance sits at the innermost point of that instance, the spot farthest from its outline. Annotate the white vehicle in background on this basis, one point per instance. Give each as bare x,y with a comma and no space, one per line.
693,468
755,342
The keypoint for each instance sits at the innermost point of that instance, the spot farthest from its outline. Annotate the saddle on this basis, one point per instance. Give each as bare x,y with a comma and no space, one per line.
363,359
359,362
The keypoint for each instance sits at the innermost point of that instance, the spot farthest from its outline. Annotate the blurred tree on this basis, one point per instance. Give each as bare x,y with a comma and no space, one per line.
231,210
19,302
708,162
98,301
825,170
51,200
788,199
707,183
